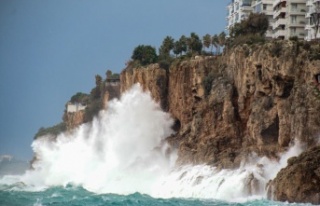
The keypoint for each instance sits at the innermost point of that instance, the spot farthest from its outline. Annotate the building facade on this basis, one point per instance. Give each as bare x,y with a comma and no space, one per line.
287,18
237,11
266,7
75,107
313,8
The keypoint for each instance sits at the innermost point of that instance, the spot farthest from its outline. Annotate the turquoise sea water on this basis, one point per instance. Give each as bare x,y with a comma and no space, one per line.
59,196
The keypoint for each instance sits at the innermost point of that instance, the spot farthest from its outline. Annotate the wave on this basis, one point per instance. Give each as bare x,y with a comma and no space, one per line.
123,151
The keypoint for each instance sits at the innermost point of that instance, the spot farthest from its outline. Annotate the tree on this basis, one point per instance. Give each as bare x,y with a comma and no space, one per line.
215,42
180,46
177,48
109,74
96,92
194,43
256,23
207,40
183,42
167,46
222,39
98,80
145,54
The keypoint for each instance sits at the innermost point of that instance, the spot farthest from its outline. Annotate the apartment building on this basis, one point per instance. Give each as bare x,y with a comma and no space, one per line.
266,7
289,18
237,11
313,7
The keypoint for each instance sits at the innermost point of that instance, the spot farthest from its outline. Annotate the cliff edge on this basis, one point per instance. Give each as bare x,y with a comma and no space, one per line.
258,98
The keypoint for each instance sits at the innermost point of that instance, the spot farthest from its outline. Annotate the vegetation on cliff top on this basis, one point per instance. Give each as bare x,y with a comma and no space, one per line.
171,49
54,130
92,101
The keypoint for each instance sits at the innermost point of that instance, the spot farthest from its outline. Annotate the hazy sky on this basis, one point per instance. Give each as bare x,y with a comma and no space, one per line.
49,50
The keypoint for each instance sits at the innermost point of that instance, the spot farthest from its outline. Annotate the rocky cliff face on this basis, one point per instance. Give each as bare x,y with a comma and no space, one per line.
111,90
74,119
246,100
300,180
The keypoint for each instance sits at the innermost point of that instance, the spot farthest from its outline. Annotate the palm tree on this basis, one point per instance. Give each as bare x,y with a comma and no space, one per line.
183,42
167,46
222,39
194,43
207,40
215,42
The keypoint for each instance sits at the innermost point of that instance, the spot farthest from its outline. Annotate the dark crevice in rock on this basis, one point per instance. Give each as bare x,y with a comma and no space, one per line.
271,133
176,125
163,84
259,71
287,89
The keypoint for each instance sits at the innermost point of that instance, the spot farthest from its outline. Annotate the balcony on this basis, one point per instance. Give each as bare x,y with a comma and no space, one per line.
268,12
279,11
246,8
308,27
298,34
297,24
276,2
300,12
308,15
278,23
309,3
279,33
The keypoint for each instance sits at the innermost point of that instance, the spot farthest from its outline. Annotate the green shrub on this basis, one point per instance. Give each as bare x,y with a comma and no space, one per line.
92,110
207,83
80,98
54,130
165,64
145,54
276,49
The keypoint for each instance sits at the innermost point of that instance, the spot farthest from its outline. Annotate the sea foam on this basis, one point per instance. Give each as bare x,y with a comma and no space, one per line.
123,151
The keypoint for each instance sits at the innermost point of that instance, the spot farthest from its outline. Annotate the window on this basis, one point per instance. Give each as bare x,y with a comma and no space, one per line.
294,7
293,31
264,7
258,9
293,19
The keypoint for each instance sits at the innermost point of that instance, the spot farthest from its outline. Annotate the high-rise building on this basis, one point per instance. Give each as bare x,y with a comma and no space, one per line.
289,18
237,11
266,7
313,8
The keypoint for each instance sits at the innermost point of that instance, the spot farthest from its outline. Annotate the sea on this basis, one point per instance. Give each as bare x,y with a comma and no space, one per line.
77,196
122,158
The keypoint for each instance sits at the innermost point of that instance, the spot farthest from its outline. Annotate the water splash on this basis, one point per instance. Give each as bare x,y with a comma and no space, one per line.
123,151
246,183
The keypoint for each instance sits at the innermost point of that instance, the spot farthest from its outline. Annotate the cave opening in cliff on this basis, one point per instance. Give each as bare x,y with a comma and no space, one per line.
270,134
176,125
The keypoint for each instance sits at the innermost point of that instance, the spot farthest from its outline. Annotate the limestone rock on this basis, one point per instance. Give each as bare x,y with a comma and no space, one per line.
252,103
300,180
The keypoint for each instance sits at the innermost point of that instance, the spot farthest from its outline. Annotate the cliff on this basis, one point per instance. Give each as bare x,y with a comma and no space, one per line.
249,99
110,90
300,180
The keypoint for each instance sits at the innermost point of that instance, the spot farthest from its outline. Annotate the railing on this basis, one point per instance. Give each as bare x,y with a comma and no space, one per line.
297,24
309,2
298,11
279,33
279,22
278,12
276,2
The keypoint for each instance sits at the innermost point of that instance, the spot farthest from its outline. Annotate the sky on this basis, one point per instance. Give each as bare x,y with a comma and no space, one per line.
50,50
